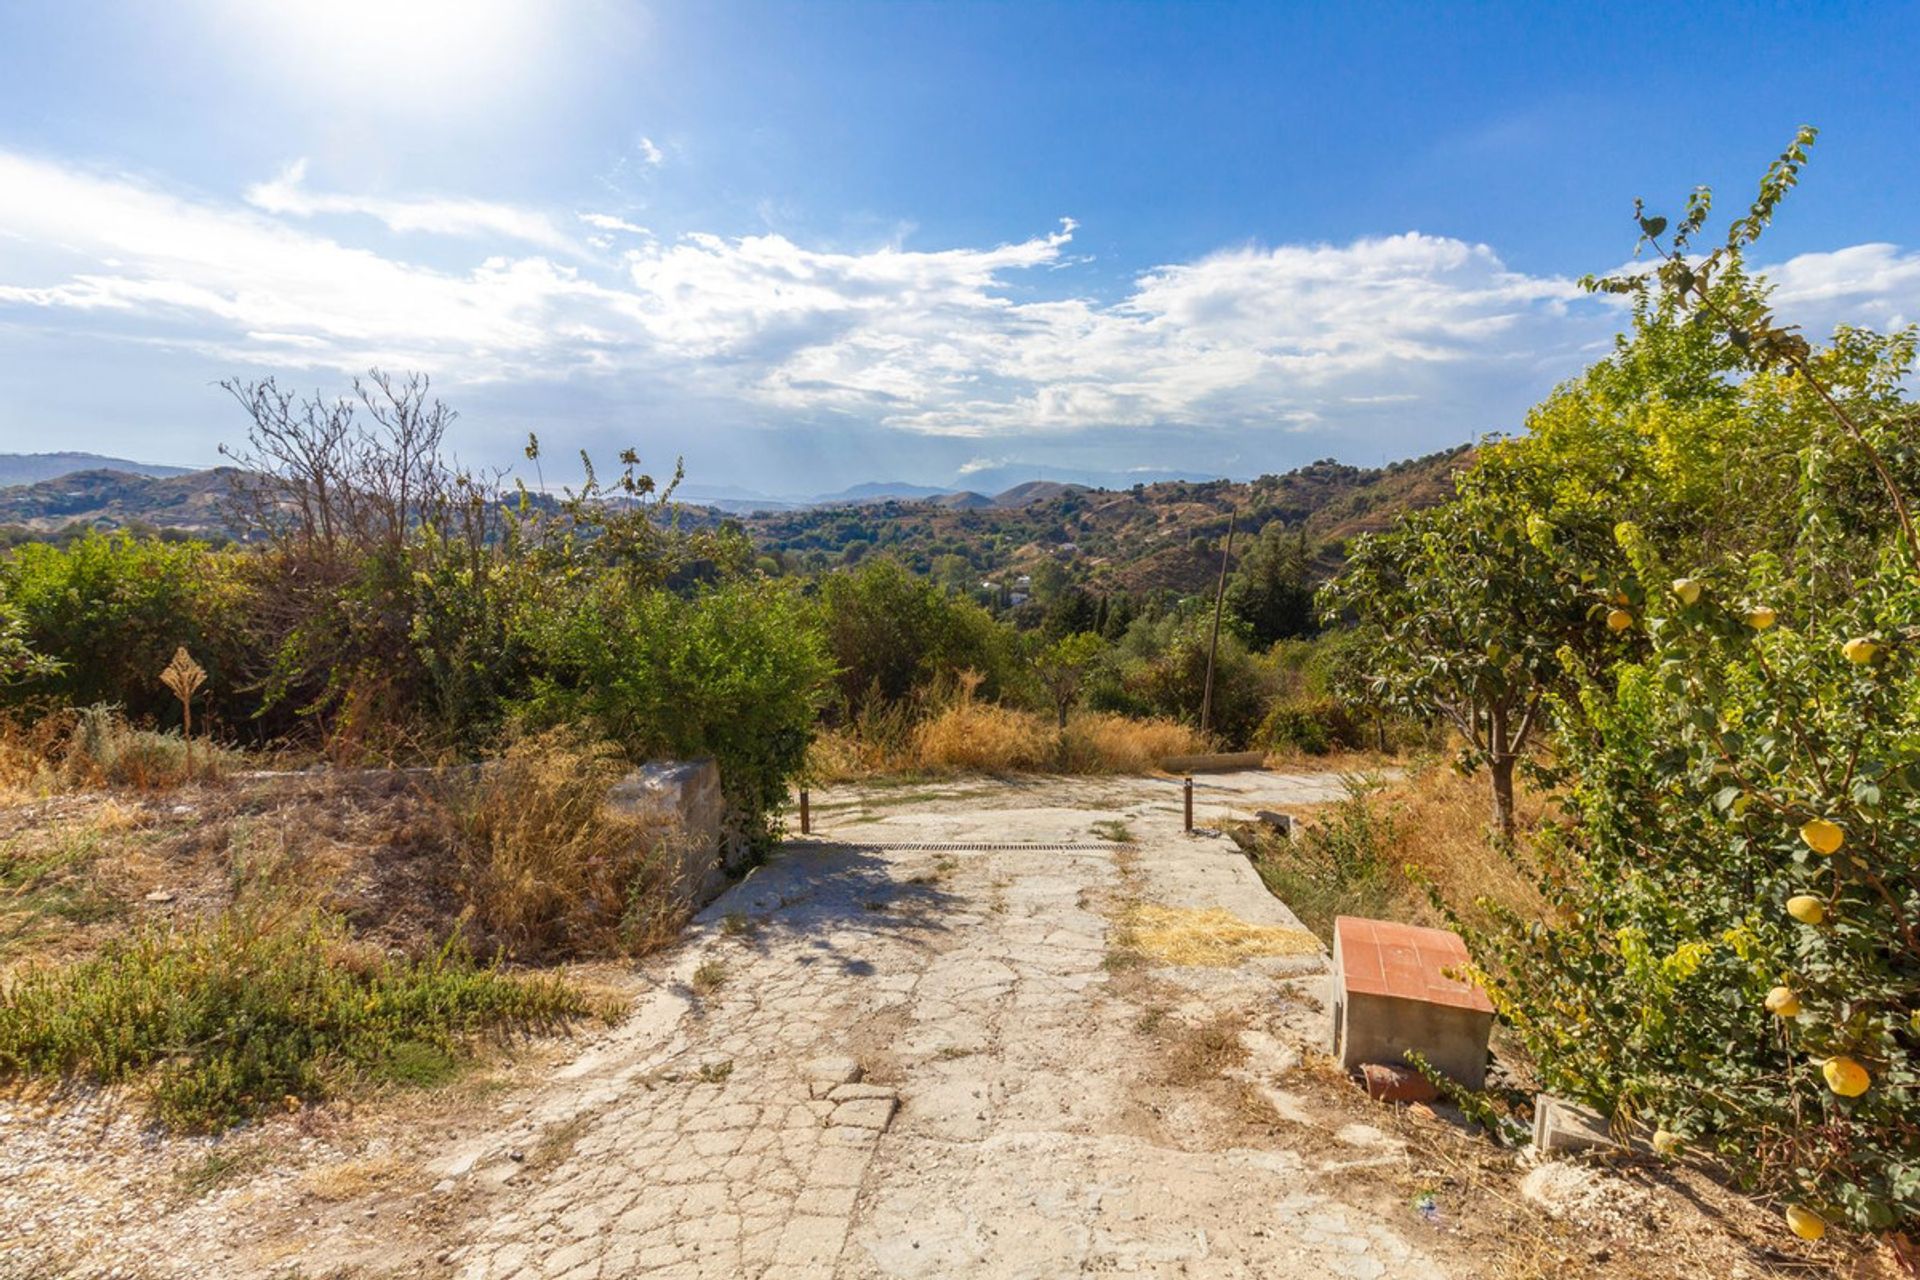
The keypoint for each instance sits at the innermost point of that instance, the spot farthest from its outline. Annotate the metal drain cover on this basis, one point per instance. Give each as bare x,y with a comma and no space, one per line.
959,846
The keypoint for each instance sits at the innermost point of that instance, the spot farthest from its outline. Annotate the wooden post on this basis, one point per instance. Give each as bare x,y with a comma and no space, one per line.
806,814
1213,643
1186,792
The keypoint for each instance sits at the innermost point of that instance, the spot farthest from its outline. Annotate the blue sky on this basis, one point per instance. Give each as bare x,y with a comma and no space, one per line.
806,246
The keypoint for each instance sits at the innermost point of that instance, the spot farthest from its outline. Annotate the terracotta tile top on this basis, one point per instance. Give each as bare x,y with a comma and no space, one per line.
1385,958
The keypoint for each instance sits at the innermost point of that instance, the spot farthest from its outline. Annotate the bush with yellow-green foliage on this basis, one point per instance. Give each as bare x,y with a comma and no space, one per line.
1731,949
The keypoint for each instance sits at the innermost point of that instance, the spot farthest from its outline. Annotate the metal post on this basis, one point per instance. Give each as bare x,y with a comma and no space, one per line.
1186,791
806,814
1213,642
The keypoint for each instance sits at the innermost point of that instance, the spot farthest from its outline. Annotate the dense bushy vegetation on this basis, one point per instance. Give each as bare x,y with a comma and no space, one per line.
1698,571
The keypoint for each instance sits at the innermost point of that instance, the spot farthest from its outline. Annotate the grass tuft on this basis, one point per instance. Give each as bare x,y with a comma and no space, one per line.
226,1021
548,869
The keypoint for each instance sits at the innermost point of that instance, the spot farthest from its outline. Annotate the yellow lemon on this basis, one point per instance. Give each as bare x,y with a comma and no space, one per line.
1860,650
1806,908
1823,837
1782,1003
1619,620
1760,617
1846,1077
1666,1142
1688,589
1805,1223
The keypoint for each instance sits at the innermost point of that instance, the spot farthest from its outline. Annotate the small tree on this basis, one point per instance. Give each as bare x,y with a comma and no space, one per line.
1465,618
1063,667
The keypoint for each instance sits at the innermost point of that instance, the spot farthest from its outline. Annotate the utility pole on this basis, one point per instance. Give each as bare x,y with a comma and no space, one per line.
1213,643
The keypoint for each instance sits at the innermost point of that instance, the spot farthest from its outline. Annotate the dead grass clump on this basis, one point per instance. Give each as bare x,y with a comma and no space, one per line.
1101,742
104,749
30,754
1215,937
984,736
547,869
1201,1052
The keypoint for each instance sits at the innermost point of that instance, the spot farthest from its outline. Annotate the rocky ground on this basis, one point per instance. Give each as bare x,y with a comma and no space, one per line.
935,1040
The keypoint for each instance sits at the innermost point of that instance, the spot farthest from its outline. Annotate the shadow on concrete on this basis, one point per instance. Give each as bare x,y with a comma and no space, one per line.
821,892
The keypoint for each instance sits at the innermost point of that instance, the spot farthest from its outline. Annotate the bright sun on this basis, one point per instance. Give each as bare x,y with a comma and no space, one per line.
405,56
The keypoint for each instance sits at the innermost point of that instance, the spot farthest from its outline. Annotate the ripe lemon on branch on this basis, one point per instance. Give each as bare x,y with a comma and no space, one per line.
1823,837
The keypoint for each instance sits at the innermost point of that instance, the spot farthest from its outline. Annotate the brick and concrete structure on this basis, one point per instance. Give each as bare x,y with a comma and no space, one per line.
1391,993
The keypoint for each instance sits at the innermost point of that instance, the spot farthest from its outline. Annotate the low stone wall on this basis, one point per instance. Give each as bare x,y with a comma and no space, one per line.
682,800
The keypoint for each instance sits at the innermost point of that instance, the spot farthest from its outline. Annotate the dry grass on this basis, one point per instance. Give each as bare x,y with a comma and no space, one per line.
548,870
352,1179
1098,742
93,747
1214,937
1373,853
1198,1053
964,734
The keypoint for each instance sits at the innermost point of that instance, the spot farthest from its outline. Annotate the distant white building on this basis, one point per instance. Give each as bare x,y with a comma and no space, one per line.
1017,599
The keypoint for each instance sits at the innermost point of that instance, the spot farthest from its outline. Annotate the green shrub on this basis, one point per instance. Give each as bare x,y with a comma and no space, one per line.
225,1021
111,609
736,671
1314,726
1339,864
893,635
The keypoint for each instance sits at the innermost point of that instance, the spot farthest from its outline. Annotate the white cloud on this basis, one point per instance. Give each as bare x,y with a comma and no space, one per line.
607,222
289,194
962,342
649,152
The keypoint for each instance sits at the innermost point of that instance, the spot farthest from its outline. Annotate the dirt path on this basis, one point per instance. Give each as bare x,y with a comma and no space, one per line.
894,1060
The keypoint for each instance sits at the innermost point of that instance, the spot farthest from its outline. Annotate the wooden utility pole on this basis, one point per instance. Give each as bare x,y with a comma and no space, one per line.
1213,642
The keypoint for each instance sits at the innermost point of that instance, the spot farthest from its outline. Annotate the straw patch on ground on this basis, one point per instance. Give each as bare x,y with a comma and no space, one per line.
1215,936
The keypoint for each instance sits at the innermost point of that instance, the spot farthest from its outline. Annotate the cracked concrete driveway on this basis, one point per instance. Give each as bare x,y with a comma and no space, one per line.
917,1056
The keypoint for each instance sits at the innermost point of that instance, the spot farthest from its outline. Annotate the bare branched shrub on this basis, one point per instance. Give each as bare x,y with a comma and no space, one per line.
547,870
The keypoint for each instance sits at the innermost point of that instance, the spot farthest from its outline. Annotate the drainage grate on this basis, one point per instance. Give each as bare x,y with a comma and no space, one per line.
966,846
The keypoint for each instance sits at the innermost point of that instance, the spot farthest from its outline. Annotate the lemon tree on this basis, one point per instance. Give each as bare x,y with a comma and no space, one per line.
1731,955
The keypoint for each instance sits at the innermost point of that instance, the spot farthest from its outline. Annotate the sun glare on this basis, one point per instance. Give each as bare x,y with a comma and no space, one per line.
413,56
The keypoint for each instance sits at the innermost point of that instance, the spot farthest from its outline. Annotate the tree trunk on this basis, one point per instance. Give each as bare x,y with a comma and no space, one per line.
1500,769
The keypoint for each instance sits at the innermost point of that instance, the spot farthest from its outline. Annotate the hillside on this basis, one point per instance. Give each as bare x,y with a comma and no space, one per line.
113,499
1147,538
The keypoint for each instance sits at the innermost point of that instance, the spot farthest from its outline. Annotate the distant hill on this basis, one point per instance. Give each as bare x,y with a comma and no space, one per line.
103,498
1143,538
880,491
32,468
1033,491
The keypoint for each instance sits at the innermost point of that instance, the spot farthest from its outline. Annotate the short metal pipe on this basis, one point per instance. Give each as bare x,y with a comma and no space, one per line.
806,813
1186,793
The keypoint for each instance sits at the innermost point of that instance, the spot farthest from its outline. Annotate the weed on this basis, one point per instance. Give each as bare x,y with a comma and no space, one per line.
1200,1052
227,1020
715,1072
736,924
548,868
215,1169
557,1142
709,977
1113,829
